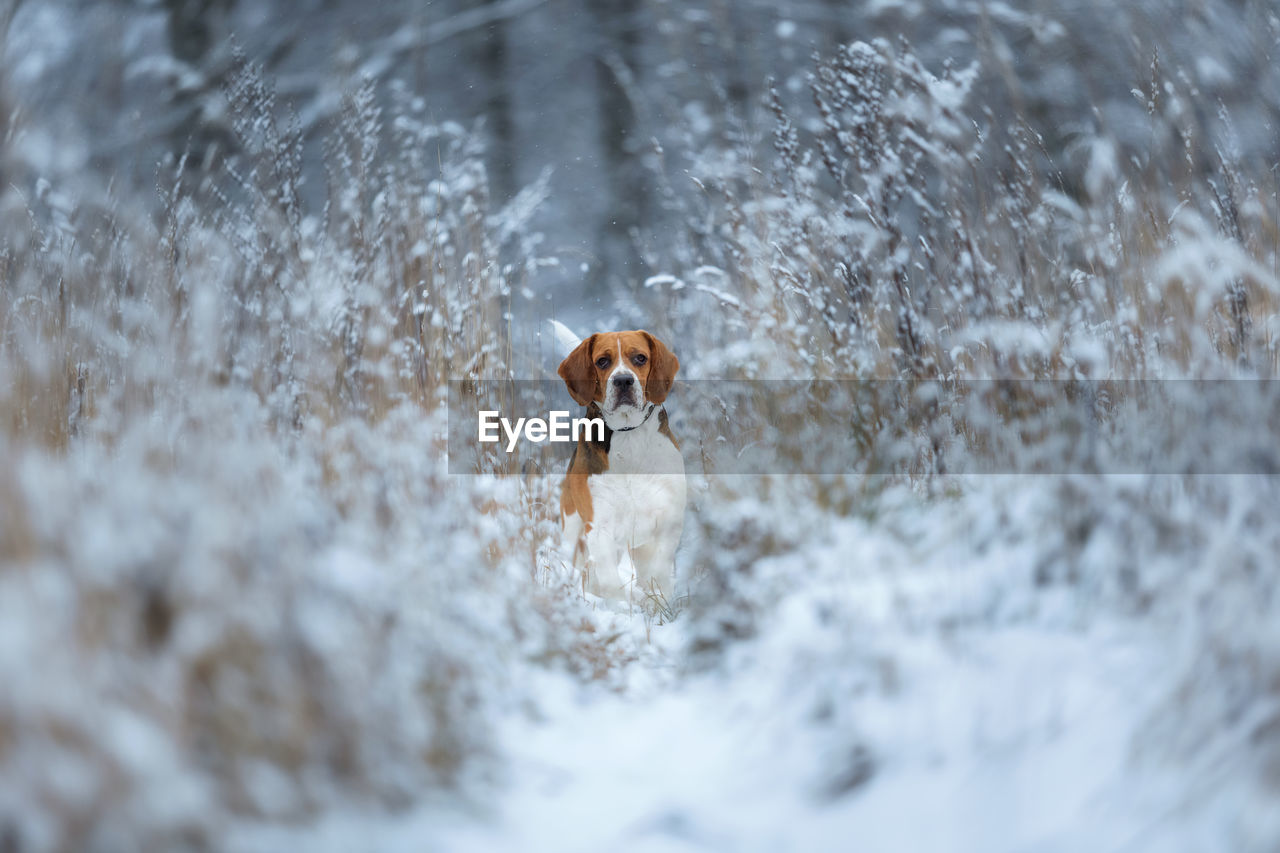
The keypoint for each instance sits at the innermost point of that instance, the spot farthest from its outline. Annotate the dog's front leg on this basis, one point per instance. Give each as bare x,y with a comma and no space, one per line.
655,557
603,556
655,569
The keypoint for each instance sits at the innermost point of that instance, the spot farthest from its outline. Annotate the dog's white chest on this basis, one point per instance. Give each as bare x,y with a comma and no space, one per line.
641,497
639,509
644,451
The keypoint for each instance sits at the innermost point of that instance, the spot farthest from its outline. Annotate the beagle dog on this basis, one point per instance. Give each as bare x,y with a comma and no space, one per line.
622,501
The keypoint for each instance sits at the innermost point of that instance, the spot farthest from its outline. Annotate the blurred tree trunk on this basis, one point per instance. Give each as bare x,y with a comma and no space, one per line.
616,43
190,30
837,25
194,27
494,64
731,32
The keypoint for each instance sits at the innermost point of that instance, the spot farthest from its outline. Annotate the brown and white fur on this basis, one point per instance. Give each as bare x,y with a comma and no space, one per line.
624,496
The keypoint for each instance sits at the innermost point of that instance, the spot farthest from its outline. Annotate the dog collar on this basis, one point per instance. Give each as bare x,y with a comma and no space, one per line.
647,415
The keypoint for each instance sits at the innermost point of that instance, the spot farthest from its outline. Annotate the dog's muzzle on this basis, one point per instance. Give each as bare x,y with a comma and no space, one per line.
624,390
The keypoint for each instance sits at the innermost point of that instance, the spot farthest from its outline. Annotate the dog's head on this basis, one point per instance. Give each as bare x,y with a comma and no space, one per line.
623,372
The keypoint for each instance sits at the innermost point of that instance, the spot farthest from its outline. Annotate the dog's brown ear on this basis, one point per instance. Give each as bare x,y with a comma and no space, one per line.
662,370
579,373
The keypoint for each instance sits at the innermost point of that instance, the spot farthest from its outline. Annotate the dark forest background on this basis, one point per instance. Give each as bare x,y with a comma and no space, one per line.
617,104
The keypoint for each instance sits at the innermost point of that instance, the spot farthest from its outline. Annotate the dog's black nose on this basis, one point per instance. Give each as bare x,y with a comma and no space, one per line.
623,382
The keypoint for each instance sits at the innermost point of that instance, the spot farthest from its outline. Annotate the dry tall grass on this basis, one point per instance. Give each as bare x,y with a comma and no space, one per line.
900,232
235,577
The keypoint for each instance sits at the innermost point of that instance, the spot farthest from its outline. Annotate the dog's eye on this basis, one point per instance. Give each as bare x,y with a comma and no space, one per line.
639,360
602,362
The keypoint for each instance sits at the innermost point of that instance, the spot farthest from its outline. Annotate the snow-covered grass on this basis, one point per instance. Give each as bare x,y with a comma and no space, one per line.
961,640
237,580
242,604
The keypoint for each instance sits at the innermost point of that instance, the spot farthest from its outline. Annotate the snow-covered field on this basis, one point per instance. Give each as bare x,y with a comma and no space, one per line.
247,603
915,689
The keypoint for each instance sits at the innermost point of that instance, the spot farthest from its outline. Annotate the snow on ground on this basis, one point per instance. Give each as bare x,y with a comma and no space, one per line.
904,694
703,767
